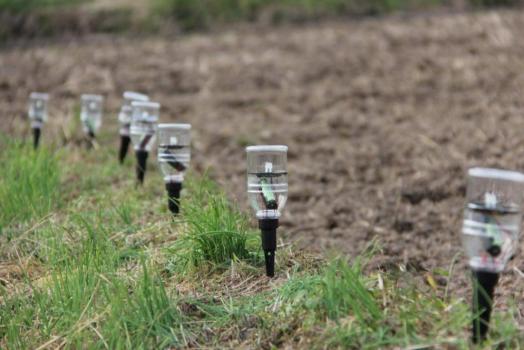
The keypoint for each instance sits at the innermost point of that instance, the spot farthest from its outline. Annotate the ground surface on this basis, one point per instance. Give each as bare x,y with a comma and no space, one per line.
382,117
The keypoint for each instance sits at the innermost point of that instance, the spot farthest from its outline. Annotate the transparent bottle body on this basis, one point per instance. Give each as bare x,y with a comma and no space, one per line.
267,180
143,135
124,118
91,115
174,153
489,235
492,218
267,193
144,125
37,112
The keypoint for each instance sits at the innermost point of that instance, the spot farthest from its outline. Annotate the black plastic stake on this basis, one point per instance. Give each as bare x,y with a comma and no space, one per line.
483,289
90,140
36,137
268,231
125,140
173,196
141,165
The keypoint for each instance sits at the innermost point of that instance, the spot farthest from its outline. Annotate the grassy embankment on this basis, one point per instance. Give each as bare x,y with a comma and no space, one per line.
88,260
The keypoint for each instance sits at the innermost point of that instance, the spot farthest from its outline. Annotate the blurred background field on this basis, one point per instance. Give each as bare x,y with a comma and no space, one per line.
30,18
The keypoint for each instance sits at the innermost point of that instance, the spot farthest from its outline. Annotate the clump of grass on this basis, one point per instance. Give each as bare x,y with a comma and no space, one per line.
89,296
343,290
29,183
148,318
215,231
339,290
343,307
65,298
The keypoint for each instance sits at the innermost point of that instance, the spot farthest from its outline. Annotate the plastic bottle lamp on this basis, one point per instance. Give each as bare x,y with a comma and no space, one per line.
174,154
91,114
490,231
267,192
143,129
37,114
125,117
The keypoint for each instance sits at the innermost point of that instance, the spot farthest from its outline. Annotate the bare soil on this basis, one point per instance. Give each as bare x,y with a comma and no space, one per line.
382,117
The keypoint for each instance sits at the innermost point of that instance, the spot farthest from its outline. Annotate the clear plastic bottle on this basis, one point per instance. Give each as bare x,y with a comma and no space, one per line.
267,180
37,110
492,217
91,113
126,111
174,150
143,125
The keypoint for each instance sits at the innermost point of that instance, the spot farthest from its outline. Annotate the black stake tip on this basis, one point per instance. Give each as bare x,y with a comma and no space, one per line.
36,137
124,146
141,165
484,284
268,231
173,196
270,263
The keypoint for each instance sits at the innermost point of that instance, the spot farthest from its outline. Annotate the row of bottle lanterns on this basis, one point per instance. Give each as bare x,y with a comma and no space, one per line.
492,216
138,118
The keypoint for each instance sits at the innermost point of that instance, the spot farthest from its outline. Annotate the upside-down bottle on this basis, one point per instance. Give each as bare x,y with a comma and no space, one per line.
143,130
174,155
91,114
267,191
37,113
125,118
490,231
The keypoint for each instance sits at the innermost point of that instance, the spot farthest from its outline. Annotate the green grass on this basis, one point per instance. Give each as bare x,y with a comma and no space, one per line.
90,278
113,269
198,14
32,5
397,312
29,184
215,232
46,17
